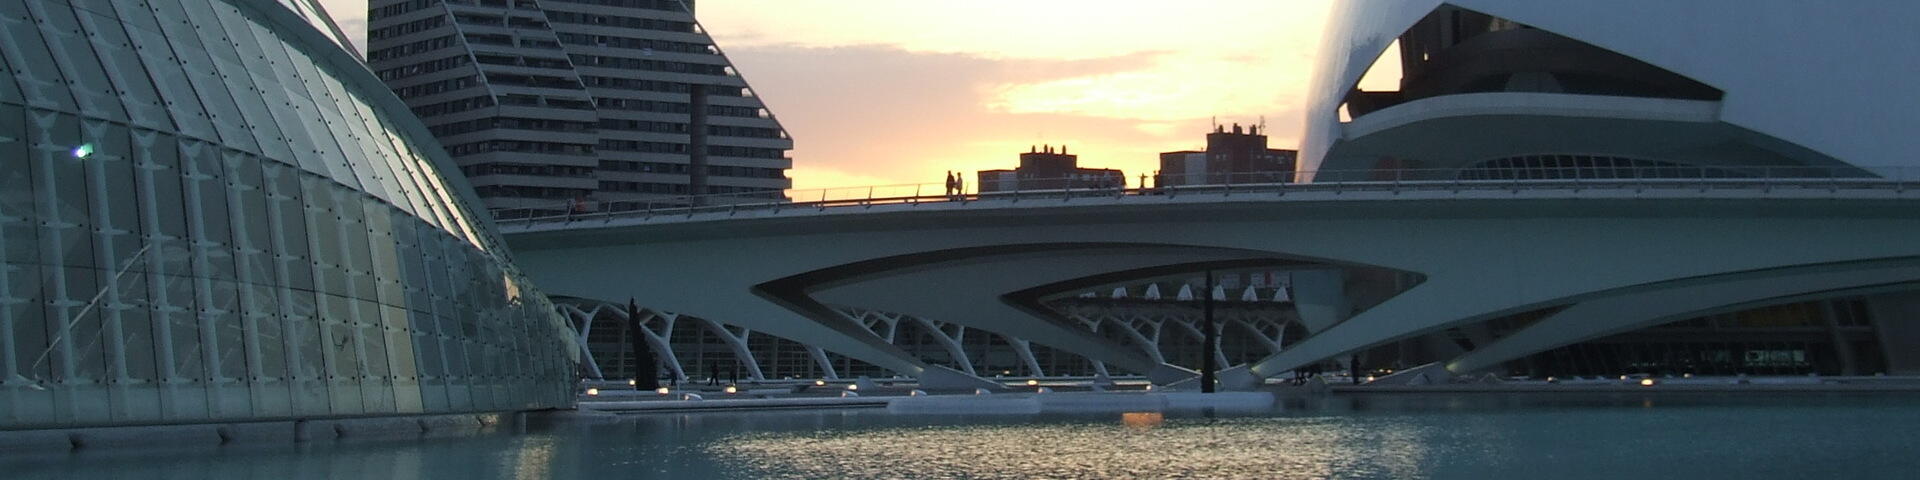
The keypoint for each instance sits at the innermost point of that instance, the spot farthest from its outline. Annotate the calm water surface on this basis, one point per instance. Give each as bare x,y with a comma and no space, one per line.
1402,436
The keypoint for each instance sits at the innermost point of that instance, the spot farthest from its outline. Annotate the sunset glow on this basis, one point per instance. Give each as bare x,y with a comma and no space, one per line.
888,92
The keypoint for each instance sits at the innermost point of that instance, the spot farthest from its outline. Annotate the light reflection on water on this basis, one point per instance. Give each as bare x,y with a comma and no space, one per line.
1199,448
1440,436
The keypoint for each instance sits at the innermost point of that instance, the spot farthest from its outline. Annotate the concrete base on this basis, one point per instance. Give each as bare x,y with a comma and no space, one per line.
252,433
936,377
1167,374
1236,379
1240,379
378,428
964,405
1429,374
261,433
35,440
1028,404
147,436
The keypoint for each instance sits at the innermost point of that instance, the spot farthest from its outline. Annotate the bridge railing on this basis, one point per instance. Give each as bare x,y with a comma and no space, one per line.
1830,178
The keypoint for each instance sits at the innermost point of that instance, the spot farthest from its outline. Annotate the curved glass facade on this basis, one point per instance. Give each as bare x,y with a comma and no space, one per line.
211,211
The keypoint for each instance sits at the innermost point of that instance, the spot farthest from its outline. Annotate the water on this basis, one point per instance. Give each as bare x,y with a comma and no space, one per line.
1381,436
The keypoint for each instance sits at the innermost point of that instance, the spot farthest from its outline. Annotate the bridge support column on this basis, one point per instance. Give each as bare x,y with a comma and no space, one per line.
1320,297
826,364
1896,318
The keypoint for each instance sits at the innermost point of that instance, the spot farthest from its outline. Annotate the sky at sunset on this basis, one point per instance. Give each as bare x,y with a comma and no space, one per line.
881,92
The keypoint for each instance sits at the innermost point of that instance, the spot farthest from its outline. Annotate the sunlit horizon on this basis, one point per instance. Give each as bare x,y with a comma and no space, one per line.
885,93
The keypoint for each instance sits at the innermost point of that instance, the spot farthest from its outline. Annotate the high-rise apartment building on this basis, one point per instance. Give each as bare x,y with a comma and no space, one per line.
557,105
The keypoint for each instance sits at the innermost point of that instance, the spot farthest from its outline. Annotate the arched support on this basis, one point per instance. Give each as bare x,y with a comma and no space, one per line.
1024,349
826,364
585,320
1643,308
948,341
738,343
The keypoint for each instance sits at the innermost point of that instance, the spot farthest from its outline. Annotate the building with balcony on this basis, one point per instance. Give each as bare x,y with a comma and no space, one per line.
578,105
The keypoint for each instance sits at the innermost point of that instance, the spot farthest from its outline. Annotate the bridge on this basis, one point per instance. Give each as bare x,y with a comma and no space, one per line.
1579,254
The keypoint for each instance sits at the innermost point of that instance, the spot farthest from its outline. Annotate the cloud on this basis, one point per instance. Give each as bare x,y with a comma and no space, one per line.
881,112
884,91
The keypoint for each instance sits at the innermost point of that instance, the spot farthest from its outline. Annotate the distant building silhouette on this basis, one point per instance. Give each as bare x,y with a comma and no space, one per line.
1239,155
1041,168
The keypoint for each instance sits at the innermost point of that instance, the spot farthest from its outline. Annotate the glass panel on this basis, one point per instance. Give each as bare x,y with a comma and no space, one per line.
342,353
39,79
184,28
254,77
70,48
9,90
122,66
156,52
322,121
291,106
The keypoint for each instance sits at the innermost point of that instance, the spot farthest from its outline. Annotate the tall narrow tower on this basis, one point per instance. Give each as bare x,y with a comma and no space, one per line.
552,106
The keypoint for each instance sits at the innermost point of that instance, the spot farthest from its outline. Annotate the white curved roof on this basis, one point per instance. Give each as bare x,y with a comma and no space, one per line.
1834,77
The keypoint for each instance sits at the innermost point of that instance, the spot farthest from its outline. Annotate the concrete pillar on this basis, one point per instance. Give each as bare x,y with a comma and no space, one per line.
1896,317
1841,347
1320,297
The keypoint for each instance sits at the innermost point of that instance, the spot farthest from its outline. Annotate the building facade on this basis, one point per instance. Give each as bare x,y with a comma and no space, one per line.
557,105
1521,90
1043,168
1239,155
211,211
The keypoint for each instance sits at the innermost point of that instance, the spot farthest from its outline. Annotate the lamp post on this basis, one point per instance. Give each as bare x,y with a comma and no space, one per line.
1209,336
646,366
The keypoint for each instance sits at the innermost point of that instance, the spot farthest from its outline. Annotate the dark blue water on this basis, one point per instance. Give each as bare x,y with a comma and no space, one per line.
1381,436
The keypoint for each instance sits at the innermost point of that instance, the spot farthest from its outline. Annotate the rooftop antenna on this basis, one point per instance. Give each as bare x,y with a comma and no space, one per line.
1263,126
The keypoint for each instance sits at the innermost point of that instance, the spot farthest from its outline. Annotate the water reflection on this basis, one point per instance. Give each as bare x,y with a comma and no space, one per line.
1471,436
1143,420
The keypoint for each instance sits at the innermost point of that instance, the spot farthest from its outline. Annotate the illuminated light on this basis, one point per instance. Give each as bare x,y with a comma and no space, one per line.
1686,375
1646,382
83,151
593,392
1553,380
848,394
663,391
981,391
633,383
1369,378
1043,390
1623,377
1033,383
732,389
819,383
1142,420
1149,388
853,386
917,393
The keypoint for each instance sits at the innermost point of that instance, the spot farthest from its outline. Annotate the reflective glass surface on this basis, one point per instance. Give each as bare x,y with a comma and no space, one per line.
210,211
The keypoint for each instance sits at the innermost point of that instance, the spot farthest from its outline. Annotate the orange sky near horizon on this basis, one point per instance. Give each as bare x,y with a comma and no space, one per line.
879,92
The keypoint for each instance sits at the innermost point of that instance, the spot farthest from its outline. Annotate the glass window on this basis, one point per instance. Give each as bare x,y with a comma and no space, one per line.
88,83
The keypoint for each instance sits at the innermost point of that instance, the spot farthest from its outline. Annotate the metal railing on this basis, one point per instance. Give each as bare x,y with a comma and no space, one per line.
1664,178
